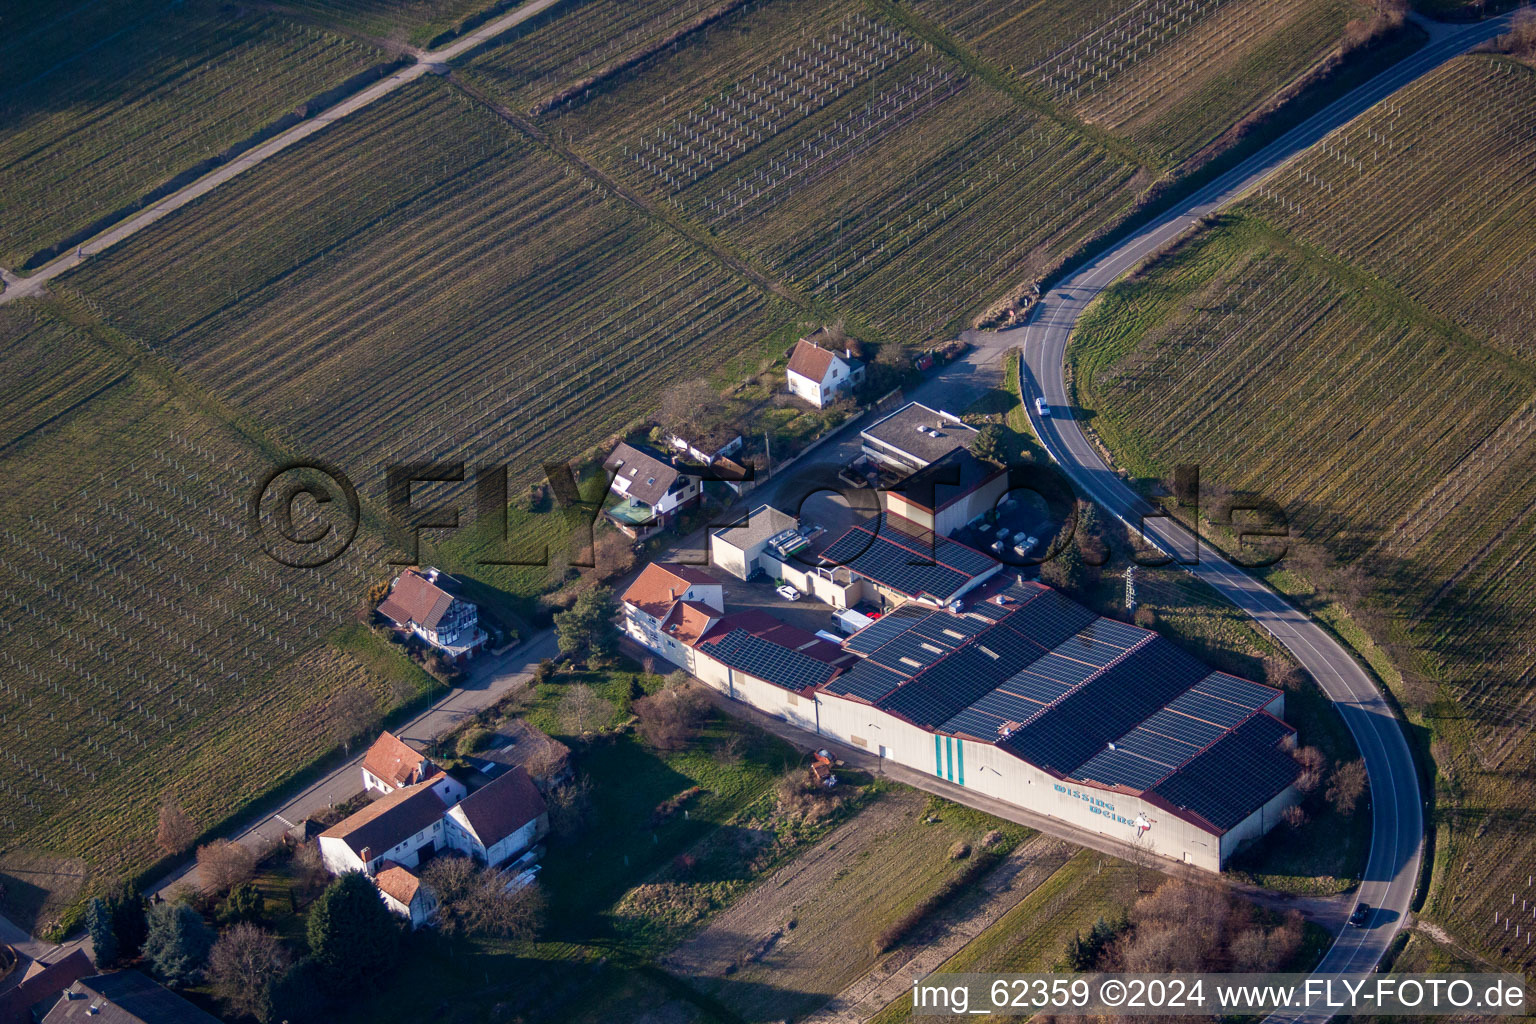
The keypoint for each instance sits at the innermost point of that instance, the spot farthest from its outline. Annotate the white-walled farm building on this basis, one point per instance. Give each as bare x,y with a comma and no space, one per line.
1021,694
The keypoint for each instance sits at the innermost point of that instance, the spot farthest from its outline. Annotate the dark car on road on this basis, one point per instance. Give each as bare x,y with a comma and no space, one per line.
1361,915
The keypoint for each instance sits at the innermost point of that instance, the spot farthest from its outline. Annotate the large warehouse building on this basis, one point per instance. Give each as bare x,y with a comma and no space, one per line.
1019,693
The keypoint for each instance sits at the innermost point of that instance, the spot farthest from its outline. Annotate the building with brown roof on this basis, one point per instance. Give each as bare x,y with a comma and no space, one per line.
651,487
820,375
123,997
394,827
404,893
426,604
41,985
392,764
668,599
500,820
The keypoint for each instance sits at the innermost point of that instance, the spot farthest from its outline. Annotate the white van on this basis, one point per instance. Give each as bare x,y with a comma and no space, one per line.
1041,408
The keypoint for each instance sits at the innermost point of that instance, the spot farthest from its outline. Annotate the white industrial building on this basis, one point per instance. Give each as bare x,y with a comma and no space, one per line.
1019,693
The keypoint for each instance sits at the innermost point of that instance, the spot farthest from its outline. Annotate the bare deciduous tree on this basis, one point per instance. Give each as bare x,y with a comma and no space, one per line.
309,869
175,830
224,864
582,711
475,900
669,718
242,966
352,710
690,408
1347,786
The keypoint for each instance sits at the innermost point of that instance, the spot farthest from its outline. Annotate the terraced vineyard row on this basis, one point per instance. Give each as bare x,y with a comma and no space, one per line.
178,658
1368,366
51,368
1170,75
101,105
1394,193
575,40
859,164
454,294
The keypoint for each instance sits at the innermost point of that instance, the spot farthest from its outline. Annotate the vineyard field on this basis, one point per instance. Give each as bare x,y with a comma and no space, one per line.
1397,200
576,41
1350,344
411,21
51,368
180,662
862,166
454,294
1167,75
107,101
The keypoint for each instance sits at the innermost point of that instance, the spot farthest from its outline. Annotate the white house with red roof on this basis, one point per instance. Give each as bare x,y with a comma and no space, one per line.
423,602
404,893
820,375
669,606
392,764
651,487
500,820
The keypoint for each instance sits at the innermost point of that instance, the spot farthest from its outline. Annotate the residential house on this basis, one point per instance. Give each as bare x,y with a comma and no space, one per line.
391,764
123,997
395,827
708,446
653,489
821,375
404,894
667,605
424,602
41,984
500,820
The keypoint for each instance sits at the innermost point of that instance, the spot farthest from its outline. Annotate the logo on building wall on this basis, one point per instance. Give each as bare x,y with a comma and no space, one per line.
1142,825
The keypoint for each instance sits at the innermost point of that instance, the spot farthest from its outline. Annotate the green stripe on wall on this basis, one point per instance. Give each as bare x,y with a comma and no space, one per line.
938,758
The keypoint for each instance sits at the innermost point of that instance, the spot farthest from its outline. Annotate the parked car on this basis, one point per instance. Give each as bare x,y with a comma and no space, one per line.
1361,915
787,592
1041,408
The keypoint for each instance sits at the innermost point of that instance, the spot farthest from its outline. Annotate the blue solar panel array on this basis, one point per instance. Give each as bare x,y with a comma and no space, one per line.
1212,709
907,560
1194,731
866,681
1122,768
1243,692
885,629
1080,725
1236,776
770,661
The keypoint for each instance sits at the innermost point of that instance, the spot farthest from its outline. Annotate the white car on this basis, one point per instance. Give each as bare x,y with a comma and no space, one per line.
1041,408
787,592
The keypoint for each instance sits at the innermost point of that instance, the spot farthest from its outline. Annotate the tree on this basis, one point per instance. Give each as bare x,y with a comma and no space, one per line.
581,711
352,710
178,943
1347,786
98,923
1314,765
588,626
570,808
669,718
987,445
175,831
1283,674
244,904
543,672
224,864
1294,816
474,900
1063,567
295,998
115,922
244,965
690,409
1521,39
351,933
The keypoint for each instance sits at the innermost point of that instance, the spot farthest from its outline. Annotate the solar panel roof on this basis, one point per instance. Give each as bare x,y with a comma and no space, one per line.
1211,709
770,661
907,559
884,629
1121,768
1194,731
866,681
1234,777
1243,692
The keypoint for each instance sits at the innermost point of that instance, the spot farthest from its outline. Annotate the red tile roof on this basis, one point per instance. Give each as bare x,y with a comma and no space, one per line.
657,588
16,1003
397,881
396,764
500,808
811,360
416,599
688,620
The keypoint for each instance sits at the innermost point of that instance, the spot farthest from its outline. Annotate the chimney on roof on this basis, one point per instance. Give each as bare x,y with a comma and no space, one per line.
848,351
671,593
367,855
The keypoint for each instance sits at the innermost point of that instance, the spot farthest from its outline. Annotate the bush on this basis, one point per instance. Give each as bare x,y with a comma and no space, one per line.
352,934
669,718
471,740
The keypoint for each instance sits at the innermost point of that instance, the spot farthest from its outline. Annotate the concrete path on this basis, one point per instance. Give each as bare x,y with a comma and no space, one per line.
426,62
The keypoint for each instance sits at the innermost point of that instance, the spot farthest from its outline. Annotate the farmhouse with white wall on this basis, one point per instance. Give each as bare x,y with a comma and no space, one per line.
651,487
425,603
821,375
669,606
499,821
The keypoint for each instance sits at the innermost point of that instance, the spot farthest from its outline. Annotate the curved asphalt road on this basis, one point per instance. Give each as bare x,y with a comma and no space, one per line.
1397,843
